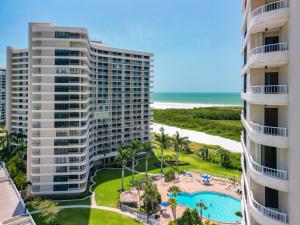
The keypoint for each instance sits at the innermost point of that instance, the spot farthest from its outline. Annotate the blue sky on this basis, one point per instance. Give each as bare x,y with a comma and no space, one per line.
196,43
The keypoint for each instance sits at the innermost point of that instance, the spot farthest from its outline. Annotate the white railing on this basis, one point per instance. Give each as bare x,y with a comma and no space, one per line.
271,213
142,217
279,174
270,48
267,171
269,89
269,130
270,7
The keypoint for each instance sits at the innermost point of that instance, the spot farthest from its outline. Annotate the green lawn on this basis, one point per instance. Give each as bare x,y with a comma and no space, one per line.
194,164
108,188
88,217
219,121
86,201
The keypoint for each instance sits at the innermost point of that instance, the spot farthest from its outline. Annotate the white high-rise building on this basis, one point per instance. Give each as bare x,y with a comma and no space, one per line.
83,100
271,115
2,94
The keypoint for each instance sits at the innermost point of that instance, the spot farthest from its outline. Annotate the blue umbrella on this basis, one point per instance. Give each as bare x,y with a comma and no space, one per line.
206,177
164,204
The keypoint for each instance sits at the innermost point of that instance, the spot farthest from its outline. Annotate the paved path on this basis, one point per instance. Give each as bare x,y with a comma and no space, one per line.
201,137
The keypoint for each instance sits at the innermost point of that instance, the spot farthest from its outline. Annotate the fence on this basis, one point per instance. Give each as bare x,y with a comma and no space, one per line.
140,216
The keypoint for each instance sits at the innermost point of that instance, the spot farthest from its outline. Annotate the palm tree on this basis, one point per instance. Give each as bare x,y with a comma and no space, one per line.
202,207
134,148
138,185
21,147
174,190
147,148
178,143
173,204
164,142
122,157
151,198
8,139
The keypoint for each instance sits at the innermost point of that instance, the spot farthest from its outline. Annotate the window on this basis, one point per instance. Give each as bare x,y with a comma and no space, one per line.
61,169
61,61
60,178
60,187
60,34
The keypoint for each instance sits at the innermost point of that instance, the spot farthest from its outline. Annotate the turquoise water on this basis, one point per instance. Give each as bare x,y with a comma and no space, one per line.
201,98
220,207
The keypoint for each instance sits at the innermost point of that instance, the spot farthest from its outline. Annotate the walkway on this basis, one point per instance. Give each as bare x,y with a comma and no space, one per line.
201,137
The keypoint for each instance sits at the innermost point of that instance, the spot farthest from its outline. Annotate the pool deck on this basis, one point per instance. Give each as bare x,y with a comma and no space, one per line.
190,183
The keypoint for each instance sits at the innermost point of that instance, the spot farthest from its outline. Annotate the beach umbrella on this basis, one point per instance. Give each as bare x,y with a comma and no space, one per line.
165,204
206,177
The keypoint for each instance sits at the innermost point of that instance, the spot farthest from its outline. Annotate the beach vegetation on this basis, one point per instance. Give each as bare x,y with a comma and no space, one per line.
220,121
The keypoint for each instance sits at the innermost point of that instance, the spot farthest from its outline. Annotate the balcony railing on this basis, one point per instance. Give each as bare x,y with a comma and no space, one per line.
269,89
269,130
270,48
278,174
271,213
270,7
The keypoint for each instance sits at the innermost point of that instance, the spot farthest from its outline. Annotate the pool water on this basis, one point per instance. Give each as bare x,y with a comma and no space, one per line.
220,207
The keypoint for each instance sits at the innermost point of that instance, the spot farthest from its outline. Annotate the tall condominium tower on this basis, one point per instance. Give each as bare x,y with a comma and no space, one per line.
271,115
82,99
2,94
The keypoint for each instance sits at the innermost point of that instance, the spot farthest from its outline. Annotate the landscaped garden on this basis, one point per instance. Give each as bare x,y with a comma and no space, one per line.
137,162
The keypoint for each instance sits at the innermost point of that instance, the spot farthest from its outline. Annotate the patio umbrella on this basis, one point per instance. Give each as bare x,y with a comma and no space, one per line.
206,177
165,204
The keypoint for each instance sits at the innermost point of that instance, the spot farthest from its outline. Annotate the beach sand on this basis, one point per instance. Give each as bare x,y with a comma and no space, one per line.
175,105
201,137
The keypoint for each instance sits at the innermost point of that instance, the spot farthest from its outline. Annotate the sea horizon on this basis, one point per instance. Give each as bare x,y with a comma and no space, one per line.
203,98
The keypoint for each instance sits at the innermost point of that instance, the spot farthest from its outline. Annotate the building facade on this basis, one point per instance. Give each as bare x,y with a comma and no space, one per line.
271,114
84,100
2,94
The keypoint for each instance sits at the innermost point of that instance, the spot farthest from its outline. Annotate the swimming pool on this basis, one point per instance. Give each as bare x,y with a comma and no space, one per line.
220,207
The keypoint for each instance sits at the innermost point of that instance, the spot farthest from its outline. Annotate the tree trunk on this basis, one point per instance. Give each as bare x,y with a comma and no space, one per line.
146,165
122,177
132,168
201,215
161,163
177,157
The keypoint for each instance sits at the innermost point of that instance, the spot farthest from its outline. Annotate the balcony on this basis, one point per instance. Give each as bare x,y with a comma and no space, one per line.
267,95
273,178
266,135
266,215
260,213
273,55
269,16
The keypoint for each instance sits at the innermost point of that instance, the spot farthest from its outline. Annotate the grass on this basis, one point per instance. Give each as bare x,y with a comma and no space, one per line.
194,164
88,217
86,201
108,188
224,122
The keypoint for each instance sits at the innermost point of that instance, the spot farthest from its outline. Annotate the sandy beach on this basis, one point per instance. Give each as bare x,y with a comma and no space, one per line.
201,137
175,105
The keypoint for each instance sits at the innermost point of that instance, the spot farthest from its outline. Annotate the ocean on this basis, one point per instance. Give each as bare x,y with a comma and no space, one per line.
216,98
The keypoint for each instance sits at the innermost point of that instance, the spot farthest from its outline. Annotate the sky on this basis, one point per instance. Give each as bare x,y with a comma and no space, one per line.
196,43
